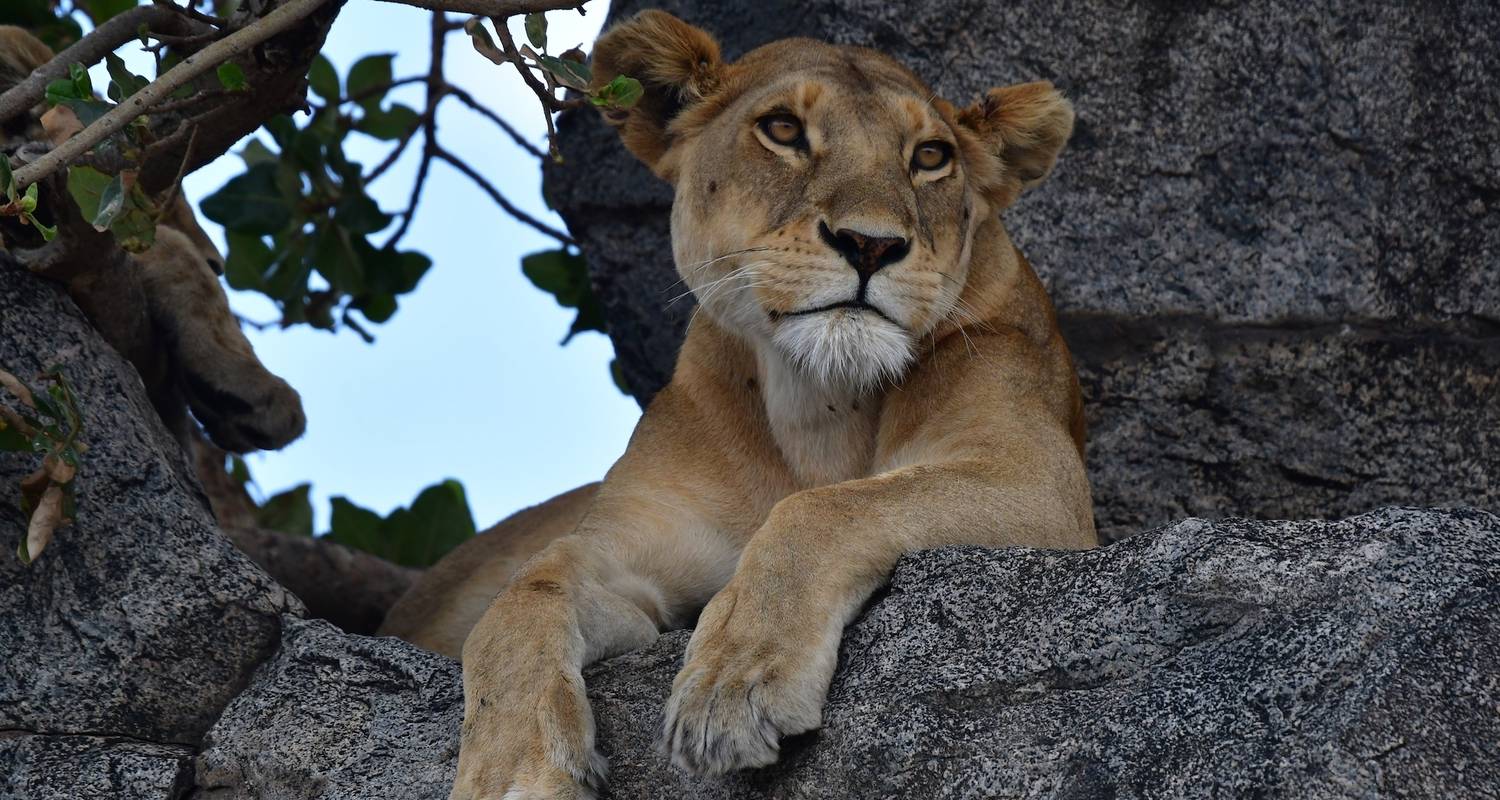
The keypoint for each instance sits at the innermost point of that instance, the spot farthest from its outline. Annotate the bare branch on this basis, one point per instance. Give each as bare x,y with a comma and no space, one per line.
468,100
500,200
193,13
187,158
494,8
89,50
436,83
395,154
285,16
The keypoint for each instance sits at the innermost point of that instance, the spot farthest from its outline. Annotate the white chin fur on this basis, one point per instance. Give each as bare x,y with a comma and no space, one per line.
844,347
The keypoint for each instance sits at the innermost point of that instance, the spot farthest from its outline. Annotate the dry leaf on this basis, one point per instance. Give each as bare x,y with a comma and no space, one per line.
44,521
15,387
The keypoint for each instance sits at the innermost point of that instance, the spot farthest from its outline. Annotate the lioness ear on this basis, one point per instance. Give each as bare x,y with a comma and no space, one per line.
1026,126
677,65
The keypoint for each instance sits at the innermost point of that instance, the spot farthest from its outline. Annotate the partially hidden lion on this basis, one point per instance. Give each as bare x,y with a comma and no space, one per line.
876,370
163,309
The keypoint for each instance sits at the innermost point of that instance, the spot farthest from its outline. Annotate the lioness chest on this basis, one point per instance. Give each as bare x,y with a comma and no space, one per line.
824,434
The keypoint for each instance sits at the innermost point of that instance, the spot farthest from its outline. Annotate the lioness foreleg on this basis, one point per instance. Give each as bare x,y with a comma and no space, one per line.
761,659
528,731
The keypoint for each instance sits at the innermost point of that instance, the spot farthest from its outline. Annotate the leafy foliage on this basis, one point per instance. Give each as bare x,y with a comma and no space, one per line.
47,423
303,210
565,276
416,536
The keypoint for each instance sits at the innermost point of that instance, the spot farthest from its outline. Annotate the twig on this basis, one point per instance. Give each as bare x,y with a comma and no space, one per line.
285,16
499,199
435,85
197,98
193,13
493,8
88,50
384,87
390,160
468,100
187,158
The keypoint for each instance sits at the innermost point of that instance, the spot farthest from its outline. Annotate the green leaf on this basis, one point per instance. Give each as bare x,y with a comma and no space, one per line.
86,185
249,258
232,77
127,82
286,280
391,272
438,521
368,77
572,74
7,179
60,91
536,30
559,273
135,227
256,152
250,203
335,258
324,79
289,511
282,130
376,307
360,215
622,92
12,439
356,527
390,124
48,233
590,317
565,276
111,203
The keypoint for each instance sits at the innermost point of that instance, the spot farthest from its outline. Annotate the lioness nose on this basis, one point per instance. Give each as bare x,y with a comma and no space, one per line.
867,254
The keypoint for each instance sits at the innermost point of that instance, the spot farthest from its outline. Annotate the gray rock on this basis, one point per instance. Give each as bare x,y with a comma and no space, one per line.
71,767
139,621
1266,172
338,716
1194,419
1277,659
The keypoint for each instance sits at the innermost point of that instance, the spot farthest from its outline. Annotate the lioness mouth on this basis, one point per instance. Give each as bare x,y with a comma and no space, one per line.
856,305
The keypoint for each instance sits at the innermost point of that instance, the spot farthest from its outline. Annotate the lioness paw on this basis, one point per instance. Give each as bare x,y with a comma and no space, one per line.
531,746
743,686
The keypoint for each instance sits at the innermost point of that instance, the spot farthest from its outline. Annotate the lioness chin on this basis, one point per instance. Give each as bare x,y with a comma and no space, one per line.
876,370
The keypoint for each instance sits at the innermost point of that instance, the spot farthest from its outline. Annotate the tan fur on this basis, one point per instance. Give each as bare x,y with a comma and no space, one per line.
805,442
165,308
442,605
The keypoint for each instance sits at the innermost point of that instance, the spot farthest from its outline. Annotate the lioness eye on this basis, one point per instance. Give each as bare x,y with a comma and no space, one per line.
782,128
932,155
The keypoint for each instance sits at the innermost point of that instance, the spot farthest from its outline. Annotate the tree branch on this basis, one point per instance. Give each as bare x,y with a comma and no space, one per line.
468,100
499,199
90,50
142,102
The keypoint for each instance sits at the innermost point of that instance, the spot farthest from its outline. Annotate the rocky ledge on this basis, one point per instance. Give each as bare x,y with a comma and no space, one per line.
1358,658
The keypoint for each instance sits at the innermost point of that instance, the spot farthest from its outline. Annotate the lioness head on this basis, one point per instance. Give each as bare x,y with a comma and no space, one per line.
826,199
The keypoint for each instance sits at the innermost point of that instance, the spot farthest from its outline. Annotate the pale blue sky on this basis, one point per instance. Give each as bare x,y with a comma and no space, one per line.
467,381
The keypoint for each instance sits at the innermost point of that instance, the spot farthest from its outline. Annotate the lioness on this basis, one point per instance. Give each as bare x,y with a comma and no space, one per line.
877,370
164,308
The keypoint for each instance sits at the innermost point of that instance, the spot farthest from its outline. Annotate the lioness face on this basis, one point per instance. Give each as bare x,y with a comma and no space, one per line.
827,211
826,199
